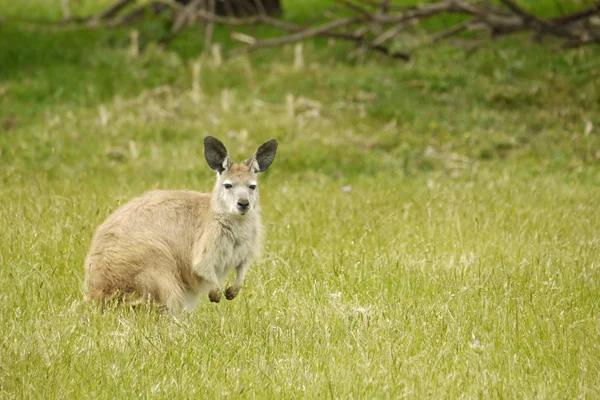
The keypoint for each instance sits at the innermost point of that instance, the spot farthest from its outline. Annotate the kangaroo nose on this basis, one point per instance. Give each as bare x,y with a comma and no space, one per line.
243,203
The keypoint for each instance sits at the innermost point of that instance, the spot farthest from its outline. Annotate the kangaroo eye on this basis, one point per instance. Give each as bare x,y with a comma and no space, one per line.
252,187
228,186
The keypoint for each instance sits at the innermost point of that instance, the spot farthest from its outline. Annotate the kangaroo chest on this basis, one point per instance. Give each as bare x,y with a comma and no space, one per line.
233,247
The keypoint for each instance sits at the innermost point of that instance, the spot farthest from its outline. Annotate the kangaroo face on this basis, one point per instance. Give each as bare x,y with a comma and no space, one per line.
236,190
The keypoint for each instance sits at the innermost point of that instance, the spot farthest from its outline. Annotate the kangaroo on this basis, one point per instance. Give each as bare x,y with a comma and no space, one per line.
169,246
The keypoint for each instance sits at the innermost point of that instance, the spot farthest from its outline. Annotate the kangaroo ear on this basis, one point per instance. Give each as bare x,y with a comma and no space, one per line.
264,156
216,154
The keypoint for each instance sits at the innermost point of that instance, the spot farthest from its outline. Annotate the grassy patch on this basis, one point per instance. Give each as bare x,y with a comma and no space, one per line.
460,260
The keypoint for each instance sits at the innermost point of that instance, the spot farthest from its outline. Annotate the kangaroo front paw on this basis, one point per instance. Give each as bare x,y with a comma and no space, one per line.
214,296
231,292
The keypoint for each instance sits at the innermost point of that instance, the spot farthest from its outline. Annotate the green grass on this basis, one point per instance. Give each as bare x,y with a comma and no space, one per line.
463,262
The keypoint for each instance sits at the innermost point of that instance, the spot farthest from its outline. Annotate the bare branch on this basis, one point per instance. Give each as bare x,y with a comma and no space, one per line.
110,11
579,15
390,7
156,8
392,32
538,23
185,15
370,24
355,7
453,30
295,37
426,11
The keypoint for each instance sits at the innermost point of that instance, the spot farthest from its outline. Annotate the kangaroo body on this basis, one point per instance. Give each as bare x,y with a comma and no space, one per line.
171,246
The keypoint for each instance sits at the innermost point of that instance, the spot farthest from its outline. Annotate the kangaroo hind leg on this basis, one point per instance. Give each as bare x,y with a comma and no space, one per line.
161,288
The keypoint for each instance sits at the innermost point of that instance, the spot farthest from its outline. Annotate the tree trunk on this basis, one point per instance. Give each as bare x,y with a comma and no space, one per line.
244,8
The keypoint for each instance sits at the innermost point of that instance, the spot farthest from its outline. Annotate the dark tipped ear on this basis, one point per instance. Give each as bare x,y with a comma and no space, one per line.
216,154
264,156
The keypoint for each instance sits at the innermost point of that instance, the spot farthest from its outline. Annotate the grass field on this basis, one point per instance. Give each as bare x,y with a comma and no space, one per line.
432,227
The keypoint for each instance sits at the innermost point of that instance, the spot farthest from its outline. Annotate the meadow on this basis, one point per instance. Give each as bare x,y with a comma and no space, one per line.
432,226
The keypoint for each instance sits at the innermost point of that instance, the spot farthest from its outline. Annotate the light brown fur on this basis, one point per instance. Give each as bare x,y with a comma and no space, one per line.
169,246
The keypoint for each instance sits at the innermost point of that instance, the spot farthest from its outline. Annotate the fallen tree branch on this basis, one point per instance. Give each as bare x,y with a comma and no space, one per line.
453,30
370,24
155,8
427,11
538,23
579,15
110,11
186,14
305,34
356,8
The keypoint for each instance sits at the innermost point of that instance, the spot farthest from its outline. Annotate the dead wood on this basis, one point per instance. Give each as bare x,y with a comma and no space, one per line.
370,24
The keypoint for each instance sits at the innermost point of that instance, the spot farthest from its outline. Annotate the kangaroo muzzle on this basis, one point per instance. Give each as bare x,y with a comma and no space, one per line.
243,205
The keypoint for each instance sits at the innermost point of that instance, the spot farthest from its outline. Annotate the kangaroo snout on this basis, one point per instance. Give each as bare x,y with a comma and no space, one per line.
243,205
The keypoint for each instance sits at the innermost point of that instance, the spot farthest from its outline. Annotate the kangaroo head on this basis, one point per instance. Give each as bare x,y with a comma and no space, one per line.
236,190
